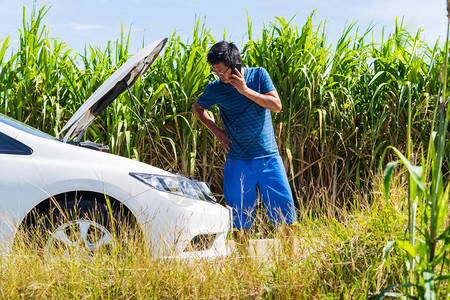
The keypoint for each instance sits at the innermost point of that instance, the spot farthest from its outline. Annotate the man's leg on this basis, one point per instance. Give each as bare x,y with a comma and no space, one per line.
277,198
239,187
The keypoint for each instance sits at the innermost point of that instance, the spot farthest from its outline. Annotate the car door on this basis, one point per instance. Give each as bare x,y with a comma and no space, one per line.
12,155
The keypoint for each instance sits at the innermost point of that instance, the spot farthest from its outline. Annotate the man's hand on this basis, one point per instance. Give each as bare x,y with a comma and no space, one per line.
270,100
220,134
223,139
238,81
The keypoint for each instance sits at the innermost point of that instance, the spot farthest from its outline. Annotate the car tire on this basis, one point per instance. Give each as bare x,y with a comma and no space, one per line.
79,227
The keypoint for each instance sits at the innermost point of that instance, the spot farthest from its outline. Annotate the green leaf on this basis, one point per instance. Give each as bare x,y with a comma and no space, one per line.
387,178
3,49
441,208
406,246
375,77
387,250
441,278
385,292
414,171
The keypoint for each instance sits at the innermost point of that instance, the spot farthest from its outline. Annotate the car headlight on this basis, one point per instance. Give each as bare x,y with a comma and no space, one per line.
177,185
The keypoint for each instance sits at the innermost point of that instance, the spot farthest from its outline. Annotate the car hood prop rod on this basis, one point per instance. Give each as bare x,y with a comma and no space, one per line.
145,124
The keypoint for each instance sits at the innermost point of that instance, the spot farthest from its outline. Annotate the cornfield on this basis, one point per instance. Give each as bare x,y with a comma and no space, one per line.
343,104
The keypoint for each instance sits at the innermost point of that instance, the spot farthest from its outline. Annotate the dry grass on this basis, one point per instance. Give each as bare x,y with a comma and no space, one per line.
335,258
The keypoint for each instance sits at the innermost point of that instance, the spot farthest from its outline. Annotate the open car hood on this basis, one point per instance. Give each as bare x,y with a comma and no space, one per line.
117,83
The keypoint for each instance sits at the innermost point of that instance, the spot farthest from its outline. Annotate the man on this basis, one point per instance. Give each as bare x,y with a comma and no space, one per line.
245,99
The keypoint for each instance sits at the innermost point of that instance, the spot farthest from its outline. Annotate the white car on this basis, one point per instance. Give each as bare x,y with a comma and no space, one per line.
44,175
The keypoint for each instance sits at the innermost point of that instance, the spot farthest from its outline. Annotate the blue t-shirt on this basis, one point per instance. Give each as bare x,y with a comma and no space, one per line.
247,124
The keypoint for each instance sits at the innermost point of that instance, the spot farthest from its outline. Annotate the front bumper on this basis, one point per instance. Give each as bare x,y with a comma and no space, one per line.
179,226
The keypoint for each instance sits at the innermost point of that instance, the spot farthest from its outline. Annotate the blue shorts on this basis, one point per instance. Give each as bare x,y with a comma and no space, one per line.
268,174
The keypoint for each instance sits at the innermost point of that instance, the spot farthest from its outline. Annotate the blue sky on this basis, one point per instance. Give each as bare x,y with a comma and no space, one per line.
97,21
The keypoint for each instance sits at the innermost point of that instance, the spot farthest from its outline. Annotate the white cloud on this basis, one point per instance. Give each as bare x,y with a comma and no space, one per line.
81,27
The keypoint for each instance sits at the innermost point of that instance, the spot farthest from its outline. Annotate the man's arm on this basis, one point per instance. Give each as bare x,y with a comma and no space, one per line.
269,100
220,134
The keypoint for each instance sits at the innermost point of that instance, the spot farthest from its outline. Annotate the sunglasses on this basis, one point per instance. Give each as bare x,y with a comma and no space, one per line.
219,73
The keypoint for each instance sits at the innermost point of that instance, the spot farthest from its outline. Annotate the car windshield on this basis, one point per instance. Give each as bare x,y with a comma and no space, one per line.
21,126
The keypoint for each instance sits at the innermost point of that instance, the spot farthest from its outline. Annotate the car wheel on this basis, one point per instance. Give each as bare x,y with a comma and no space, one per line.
79,228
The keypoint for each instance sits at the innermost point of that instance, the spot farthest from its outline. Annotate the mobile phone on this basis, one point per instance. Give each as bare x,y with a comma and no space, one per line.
237,66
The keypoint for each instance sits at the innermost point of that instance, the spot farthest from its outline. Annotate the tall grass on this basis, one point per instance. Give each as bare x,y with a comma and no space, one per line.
332,260
427,238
